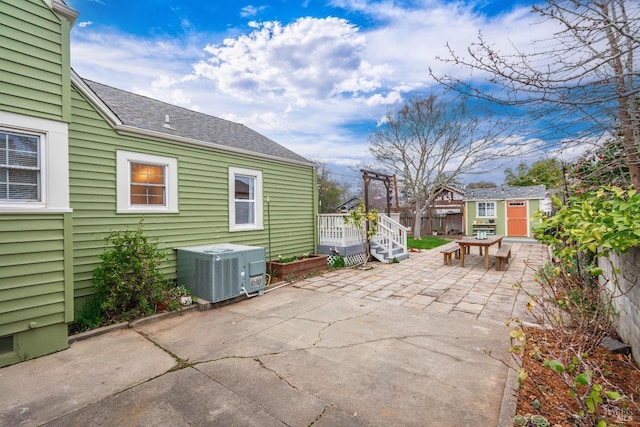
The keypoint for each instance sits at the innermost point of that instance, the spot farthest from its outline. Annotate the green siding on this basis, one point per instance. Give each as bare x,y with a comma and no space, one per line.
34,60
36,342
203,196
534,208
36,264
32,271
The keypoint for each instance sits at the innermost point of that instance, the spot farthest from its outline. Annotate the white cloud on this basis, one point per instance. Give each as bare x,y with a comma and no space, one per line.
392,97
305,83
251,10
84,24
309,59
164,81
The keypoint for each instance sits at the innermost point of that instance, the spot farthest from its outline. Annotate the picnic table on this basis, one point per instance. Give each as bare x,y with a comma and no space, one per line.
482,244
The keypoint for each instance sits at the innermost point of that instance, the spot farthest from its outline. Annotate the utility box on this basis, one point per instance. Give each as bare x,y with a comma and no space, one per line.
222,271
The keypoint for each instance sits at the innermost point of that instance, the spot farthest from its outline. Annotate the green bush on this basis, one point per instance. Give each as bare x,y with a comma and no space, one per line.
598,222
129,281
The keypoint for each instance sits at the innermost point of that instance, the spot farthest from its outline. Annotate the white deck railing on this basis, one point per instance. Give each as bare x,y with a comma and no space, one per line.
332,231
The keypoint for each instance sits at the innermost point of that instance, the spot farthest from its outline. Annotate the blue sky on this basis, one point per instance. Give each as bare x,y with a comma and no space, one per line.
316,76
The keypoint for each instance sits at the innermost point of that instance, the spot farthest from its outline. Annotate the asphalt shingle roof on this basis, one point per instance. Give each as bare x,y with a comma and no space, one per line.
149,114
504,192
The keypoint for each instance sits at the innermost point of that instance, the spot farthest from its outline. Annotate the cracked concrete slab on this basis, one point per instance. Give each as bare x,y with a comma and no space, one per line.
297,356
182,398
43,389
371,362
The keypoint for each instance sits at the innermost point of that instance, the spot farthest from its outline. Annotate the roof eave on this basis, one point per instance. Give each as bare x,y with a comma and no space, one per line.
134,131
63,11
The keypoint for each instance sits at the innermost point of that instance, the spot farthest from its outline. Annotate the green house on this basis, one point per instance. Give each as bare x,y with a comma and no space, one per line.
504,210
80,160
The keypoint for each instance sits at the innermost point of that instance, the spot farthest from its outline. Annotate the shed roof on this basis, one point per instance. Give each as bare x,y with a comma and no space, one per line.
137,112
504,192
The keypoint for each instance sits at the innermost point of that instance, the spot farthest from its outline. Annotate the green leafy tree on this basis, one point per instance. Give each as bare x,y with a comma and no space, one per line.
330,192
481,184
546,172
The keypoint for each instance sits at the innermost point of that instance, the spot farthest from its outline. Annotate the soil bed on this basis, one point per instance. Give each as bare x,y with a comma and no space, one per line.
544,393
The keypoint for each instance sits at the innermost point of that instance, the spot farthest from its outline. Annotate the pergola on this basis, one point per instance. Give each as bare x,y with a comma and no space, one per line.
387,180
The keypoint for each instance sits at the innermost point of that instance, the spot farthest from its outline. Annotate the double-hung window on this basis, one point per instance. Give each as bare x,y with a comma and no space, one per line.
20,167
146,183
34,164
245,199
486,209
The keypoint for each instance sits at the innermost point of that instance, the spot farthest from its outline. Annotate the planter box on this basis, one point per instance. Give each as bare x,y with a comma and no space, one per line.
299,268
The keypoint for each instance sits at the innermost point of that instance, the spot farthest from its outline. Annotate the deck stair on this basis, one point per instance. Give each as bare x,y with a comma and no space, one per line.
390,242
336,237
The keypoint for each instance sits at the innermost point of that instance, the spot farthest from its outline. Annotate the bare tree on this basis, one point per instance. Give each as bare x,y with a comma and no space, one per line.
582,82
429,142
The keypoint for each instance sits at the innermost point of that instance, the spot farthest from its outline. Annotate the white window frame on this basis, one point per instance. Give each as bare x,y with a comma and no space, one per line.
54,163
123,179
495,207
258,215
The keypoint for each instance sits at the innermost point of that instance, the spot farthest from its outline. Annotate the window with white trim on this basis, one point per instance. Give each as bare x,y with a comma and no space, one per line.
486,210
34,164
146,183
245,199
20,155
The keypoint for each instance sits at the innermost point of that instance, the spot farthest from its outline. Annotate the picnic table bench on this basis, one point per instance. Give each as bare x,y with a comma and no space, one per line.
502,257
448,250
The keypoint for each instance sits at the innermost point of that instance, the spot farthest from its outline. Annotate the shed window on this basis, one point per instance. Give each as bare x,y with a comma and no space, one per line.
487,209
19,167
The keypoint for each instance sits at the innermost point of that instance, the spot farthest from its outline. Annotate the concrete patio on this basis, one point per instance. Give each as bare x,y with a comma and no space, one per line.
400,344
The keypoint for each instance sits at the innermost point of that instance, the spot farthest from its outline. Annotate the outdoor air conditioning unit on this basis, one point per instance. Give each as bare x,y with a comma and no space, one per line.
222,271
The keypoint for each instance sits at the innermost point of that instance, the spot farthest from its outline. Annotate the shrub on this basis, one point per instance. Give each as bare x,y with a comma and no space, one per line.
129,281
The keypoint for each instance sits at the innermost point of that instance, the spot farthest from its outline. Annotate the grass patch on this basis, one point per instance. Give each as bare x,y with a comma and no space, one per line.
425,242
